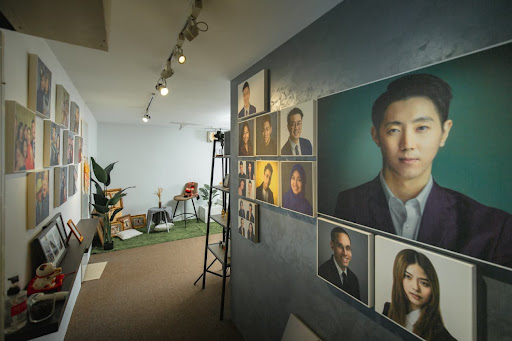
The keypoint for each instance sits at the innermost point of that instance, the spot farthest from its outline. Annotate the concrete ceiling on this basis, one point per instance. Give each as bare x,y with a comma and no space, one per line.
117,84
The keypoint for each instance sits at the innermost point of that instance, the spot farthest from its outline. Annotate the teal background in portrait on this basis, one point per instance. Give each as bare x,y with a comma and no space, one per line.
477,157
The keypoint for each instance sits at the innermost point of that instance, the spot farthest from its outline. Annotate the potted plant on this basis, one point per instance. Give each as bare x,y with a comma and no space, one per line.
102,204
205,195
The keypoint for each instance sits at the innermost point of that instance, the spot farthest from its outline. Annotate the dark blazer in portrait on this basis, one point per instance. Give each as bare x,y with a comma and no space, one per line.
241,230
252,110
259,194
242,176
241,213
305,147
450,220
438,333
250,217
271,149
329,272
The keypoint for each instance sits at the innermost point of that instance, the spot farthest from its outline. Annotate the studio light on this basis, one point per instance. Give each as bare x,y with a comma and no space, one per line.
168,71
146,118
162,86
178,54
191,31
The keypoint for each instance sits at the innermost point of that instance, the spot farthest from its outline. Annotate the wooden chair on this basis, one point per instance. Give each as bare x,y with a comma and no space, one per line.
189,192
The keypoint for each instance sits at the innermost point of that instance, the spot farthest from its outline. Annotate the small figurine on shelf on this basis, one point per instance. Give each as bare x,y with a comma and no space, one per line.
159,194
223,213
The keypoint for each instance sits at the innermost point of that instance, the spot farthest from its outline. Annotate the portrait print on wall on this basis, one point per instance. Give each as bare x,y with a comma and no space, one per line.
39,86
253,95
414,128
20,138
62,107
73,180
267,130
247,219
435,295
74,121
38,198
78,149
60,185
51,145
297,186
345,259
298,130
67,150
267,181
246,138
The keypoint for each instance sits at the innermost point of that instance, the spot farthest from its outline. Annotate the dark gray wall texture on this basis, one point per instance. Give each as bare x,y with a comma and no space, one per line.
355,43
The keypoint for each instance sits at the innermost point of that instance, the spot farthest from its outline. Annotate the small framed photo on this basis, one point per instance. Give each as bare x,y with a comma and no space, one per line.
73,180
345,259
62,107
38,198
267,129
51,144
298,130
20,138
248,220
126,222
60,186
67,150
267,181
246,138
62,228
109,193
78,149
253,95
75,231
51,243
74,119
298,186
39,86
138,221
115,228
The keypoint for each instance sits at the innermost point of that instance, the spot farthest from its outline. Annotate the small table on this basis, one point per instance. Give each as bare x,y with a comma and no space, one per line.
156,213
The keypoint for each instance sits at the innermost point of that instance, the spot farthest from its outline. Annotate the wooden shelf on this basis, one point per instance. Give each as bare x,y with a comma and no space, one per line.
221,220
222,156
222,188
219,253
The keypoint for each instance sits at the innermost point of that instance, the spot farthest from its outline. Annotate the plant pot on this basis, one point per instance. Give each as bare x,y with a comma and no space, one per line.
108,245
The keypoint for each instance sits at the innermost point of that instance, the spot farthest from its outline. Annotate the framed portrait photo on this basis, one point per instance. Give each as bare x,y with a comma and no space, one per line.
253,95
60,186
138,221
246,138
422,280
247,219
51,243
62,107
38,198
39,86
267,181
78,149
298,130
298,186
126,222
52,144
267,132
75,231
345,257
73,180
20,138
74,120
67,150
115,228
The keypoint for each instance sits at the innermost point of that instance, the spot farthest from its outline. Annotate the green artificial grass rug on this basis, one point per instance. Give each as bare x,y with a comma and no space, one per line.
177,232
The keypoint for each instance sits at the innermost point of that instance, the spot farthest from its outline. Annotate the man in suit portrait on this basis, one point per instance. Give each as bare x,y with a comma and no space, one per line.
266,145
336,270
410,124
296,145
241,228
241,211
249,192
250,215
242,174
248,108
263,191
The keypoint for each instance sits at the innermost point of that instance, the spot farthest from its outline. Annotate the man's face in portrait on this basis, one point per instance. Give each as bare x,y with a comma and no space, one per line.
245,135
266,178
295,126
241,222
241,169
409,137
267,131
249,188
250,210
342,250
246,94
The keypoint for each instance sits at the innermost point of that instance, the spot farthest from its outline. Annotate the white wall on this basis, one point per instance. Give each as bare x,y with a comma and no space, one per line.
17,237
155,156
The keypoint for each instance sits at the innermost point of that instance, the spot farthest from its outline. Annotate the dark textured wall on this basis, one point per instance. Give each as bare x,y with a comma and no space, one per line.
355,43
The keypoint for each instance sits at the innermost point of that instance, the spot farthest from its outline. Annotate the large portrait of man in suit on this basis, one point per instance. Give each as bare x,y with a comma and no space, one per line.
419,124
253,95
298,130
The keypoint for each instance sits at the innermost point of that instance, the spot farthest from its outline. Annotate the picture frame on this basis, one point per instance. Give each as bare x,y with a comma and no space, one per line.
73,180
273,189
298,190
115,228
67,147
50,243
267,134
109,193
38,198
126,222
39,86
62,107
20,137
253,95
300,132
138,221
74,118
246,138
247,220
75,231
60,186
78,149
52,144
62,228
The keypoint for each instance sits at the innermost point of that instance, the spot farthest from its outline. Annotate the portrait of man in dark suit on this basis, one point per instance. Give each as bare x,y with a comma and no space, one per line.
296,145
248,109
410,124
336,270
250,215
242,174
266,136
263,191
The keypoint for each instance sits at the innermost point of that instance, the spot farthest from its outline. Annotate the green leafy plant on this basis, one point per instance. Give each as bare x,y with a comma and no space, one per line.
102,204
205,192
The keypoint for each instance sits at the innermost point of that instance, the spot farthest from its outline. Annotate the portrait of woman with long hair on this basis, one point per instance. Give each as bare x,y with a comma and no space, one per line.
245,143
415,296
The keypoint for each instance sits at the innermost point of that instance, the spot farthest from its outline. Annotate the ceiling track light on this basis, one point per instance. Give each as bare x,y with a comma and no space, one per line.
178,54
146,116
161,86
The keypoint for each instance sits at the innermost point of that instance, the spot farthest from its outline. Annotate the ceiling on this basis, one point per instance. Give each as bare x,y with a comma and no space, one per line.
117,84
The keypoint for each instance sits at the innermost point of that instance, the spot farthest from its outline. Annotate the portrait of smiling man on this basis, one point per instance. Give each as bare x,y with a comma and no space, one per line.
266,136
410,125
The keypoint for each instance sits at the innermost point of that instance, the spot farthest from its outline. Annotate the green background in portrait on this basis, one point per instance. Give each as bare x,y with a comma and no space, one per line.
477,157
